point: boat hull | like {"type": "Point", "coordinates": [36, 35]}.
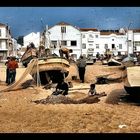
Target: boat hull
{"type": "Point", "coordinates": [132, 90]}
{"type": "Point", "coordinates": [113, 62]}
{"type": "Point", "coordinates": [51, 69]}
{"type": "Point", "coordinates": [132, 80]}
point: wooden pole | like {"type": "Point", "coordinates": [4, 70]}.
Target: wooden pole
{"type": "Point", "coordinates": [38, 76]}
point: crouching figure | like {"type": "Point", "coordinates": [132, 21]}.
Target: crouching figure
{"type": "Point", "coordinates": [92, 90]}
{"type": "Point", "coordinates": [61, 88]}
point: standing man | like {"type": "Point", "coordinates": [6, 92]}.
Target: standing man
{"type": "Point", "coordinates": [81, 64]}
{"type": "Point", "coordinates": [12, 65]}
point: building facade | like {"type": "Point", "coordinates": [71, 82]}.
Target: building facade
{"type": "Point", "coordinates": [87, 41]}
{"type": "Point", "coordinates": [65, 35]}
{"type": "Point", "coordinates": [5, 41]}
{"type": "Point", "coordinates": [32, 37]}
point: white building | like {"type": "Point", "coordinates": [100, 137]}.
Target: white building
{"type": "Point", "coordinates": [86, 41]}
{"type": "Point", "coordinates": [134, 40]}
{"type": "Point", "coordinates": [32, 37]}
{"type": "Point", "coordinates": [90, 41]}
{"type": "Point", "coordinates": [114, 41]}
{"type": "Point", "coordinates": [65, 35]}
{"type": "Point", "coordinates": [5, 41]}
{"type": "Point", "coordinates": [15, 48]}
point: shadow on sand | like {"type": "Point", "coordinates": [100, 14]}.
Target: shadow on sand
{"type": "Point", "coordinates": [121, 96]}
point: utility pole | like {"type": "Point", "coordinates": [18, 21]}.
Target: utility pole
{"type": "Point", "coordinates": [8, 35]}
{"type": "Point", "coordinates": [127, 39]}
{"type": "Point", "coordinates": [81, 42]}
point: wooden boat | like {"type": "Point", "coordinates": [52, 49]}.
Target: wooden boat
{"type": "Point", "coordinates": [28, 56]}
{"type": "Point", "coordinates": [118, 58]}
{"type": "Point", "coordinates": [51, 69]}
{"type": "Point", "coordinates": [128, 61]}
{"type": "Point", "coordinates": [104, 62]}
{"type": "Point", "coordinates": [132, 80]}
{"type": "Point", "coordinates": [113, 62]}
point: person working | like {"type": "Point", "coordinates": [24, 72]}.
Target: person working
{"type": "Point", "coordinates": [12, 65]}
{"type": "Point", "coordinates": [92, 90]}
{"type": "Point", "coordinates": [61, 88]}
{"type": "Point", "coordinates": [81, 64]}
{"type": "Point", "coordinates": [65, 51]}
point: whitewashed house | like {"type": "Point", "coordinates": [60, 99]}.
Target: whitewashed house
{"type": "Point", "coordinates": [86, 41]}
{"type": "Point", "coordinates": [32, 37]}
{"type": "Point", "coordinates": [90, 41]}
{"type": "Point", "coordinates": [65, 35]}
{"type": "Point", "coordinates": [95, 41]}
{"type": "Point", "coordinates": [134, 40]}
{"type": "Point", "coordinates": [5, 41]}
{"type": "Point", "coordinates": [114, 41]}
{"type": "Point", "coordinates": [15, 48]}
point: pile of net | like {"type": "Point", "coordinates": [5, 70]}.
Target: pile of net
{"type": "Point", "coordinates": [61, 99]}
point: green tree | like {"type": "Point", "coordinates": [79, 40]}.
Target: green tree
{"type": "Point", "coordinates": [20, 40]}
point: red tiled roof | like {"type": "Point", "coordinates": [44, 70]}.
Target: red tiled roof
{"type": "Point", "coordinates": [62, 23]}
{"type": "Point", "coordinates": [88, 29]}
{"type": "Point", "coordinates": [136, 30]}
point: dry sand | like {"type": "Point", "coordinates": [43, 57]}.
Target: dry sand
{"type": "Point", "coordinates": [18, 114]}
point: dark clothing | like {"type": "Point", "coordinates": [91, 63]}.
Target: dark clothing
{"type": "Point", "coordinates": [7, 75]}
{"type": "Point", "coordinates": [12, 75]}
{"type": "Point", "coordinates": [12, 65]}
{"type": "Point", "coordinates": [81, 73]}
{"type": "Point", "coordinates": [7, 71]}
{"type": "Point", "coordinates": [64, 51]}
{"type": "Point", "coordinates": [92, 90]}
{"type": "Point", "coordinates": [81, 64]}
{"type": "Point", "coordinates": [61, 88]}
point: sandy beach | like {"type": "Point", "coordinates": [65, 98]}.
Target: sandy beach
{"type": "Point", "coordinates": [19, 114]}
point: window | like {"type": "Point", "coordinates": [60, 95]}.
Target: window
{"type": "Point", "coordinates": [54, 42]}
{"type": "Point", "coordinates": [89, 55]}
{"type": "Point", "coordinates": [0, 32]}
{"type": "Point", "coordinates": [106, 46]}
{"type": "Point", "coordinates": [96, 36]}
{"type": "Point", "coordinates": [129, 43]}
{"type": "Point", "coordinates": [90, 36]}
{"type": "Point", "coordinates": [63, 29]}
{"type": "Point", "coordinates": [84, 36]}
{"type": "Point", "coordinates": [137, 43]}
{"type": "Point", "coordinates": [90, 49]}
{"type": "Point", "coordinates": [97, 46]}
{"type": "Point", "coordinates": [73, 43]}
{"type": "Point", "coordinates": [120, 46]}
{"type": "Point", "coordinates": [64, 43]}
{"type": "Point", "coordinates": [113, 46]}
{"type": "Point", "coordinates": [90, 44]}
{"type": "Point", "coordinates": [83, 46]}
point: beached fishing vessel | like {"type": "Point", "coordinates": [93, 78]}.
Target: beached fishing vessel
{"type": "Point", "coordinates": [51, 69]}
{"type": "Point", "coordinates": [128, 61]}
{"type": "Point", "coordinates": [132, 80]}
{"type": "Point", "coordinates": [46, 69]}
{"type": "Point", "coordinates": [113, 62]}
{"type": "Point", "coordinates": [28, 56]}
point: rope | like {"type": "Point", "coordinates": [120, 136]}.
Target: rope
{"type": "Point", "coordinates": [38, 76]}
